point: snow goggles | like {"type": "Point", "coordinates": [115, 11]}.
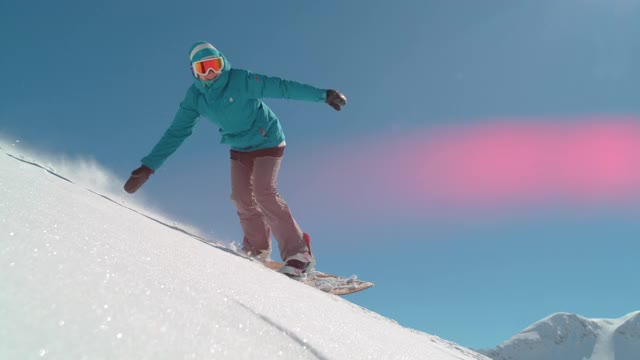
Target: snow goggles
{"type": "Point", "coordinates": [202, 67]}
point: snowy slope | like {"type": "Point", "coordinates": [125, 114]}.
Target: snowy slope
{"type": "Point", "coordinates": [85, 276]}
{"type": "Point", "coordinates": [566, 336]}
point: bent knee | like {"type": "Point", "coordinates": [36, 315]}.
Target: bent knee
{"type": "Point", "coordinates": [267, 196]}
{"type": "Point", "coordinates": [242, 201]}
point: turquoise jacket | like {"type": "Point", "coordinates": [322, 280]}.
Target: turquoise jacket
{"type": "Point", "coordinates": [232, 102]}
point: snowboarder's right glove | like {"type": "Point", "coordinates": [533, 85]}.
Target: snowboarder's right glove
{"type": "Point", "coordinates": [138, 177]}
{"type": "Point", "coordinates": [335, 99]}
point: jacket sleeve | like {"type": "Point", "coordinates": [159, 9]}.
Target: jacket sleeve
{"type": "Point", "coordinates": [262, 86]}
{"type": "Point", "coordinates": [181, 128]}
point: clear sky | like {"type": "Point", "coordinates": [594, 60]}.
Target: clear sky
{"type": "Point", "coordinates": [484, 173]}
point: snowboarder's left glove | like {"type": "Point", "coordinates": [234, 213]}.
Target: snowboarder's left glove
{"type": "Point", "coordinates": [138, 177]}
{"type": "Point", "coordinates": [335, 99]}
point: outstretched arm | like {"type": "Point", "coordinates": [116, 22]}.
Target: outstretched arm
{"type": "Point", "coordinates": [181, 127]}
{"type": "Point", "coordinates": [262, 86]}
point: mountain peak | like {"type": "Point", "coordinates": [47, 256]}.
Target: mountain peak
{"type": "Point", "coordinates": [562, 319]}
{"type": "Point", "coordinates": [630, 326]}
{"type": "Point", "coordinates": [558, 328]}
{"type": "Point", "coordinates": [633, 316]}
{"type": "Point", "coordinates": [569, 336]}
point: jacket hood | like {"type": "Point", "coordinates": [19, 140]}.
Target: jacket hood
{"type": "Point", "coordinates": [201, 50]}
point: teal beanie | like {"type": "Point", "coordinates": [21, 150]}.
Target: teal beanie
{"type": "Point", "coordinates": [202, 50]}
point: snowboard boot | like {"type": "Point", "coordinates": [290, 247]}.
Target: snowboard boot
{"type": "Point", "coordinates": [301, 263]}
{"type": "Point", "coordinates": [262, 256]}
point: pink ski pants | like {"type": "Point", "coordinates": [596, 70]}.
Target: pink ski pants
{"type": "Point", "coordinates": [260, 207]}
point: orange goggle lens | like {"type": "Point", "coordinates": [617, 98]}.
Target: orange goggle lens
{"type": "Point", "coordinates": [203, 67]}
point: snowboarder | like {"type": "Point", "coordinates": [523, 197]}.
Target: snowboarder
{"type": "Point", "coordinates": [230, 98]}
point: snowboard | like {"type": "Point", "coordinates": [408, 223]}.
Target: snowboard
{"type": "Point", "coordinates": [328, 283]}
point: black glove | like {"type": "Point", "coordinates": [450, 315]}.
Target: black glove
{"type": "Point", "coordinates": [335, 99]}
{"type": "Point", "coordinates": [138, 177]}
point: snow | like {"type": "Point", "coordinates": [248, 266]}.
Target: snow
{"type": "Point", "coordinates": [564, 336]}
{"type": "Point", "coordinates": [89, 275]}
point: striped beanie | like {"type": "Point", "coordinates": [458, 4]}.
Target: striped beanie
{"type": "Point", "coordinates": [202, 50]}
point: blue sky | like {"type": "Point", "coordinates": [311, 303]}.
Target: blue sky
{"type": "Point", "coordinates": [105, 79]}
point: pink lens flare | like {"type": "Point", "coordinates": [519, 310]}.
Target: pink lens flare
{"type": "Point", "coordinates": [497, 162]}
